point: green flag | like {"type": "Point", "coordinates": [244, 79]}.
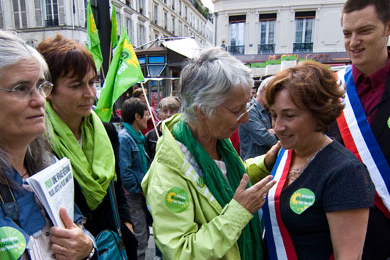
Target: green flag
{"type": "Point", "coordinates": [114, 28]}
{"type": "Point", "coordinates": [124, 72]}
{"type": "Point", "coordinates": [93, 42]}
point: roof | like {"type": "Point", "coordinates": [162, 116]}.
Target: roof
{"type": "Point", "coordinates": [187, 47]}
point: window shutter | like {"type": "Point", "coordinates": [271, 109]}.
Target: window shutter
{"type": "Point", "coordinates": [1, 15]}
{"type": "Point", "coordinates": [61, 13]}
{"type": "Point", "coordinates": [38, 13]}
{"type": "Point", "coordinates": [81, 14]}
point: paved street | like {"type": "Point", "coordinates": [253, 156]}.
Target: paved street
{"type": "Point", "coordinates": [150, 253]}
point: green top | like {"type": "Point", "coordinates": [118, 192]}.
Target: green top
{"type": "Point", "coordinates": [93, 163]}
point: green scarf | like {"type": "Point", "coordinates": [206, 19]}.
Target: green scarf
{"type": "Point", "coordinates": [249, 242]}
{"type": "Point", "coordinates": [139, 138]}
{"type": "Point", "coordinates": [93, 167]}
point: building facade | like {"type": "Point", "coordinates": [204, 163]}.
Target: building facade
{"type": "Point", "coordinates": [257, 31]}
{"type": "Point", "coordinates": [144, 20]}
{"type": "Point", "coordinates": [37, 20]}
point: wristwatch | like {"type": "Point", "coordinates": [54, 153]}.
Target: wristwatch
{"type": "Point", "coordinates": [91, 254]}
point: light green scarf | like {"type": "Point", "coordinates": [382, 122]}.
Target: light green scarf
{"type": "Point", "coordinates": [249, 242]}
{"type": "Point", "coordinates": [93, 166]}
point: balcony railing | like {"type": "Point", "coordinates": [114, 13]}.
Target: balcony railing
{"type": "Point", "coordinates": [303, 47]}
{"type": "Point", "coordinates": [51, 22]}
{"type": "Point", "coordinates": [266, 49]}
{"type": "Point", "coordinates": [236, 49]}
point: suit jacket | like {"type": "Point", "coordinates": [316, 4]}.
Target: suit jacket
{"type": "Point", "coordinates": [378, 232]}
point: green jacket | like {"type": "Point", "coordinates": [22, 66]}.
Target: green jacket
{"type": "Point", "coordinates": [188, 222]}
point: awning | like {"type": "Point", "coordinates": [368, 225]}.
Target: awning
{"type": "Point", "coordinates": [187, 47]}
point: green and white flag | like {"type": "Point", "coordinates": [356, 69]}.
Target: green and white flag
{"type": "Point", "coordinates": [93, 41]}
{"type": "Point", "coordinates": [123, 73]}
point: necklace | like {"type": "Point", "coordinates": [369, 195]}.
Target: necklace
{"type": "Point", "coordinates": [294, 173]}
{"type": "Point", "coordinates": [24, 174]}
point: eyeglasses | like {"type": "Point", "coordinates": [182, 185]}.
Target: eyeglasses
{"type": "Point", "coordinates": [24, 91]}
{"type": "Point", "coordinates": [238, 115]}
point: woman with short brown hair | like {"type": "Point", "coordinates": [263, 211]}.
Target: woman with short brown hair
{"type": "Point", "coordinates": [319, 208]}
{"type": "Point", "coordinates": [77, 133]}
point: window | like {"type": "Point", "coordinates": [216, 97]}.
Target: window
{"type": "Point", "coordinates": [185, 31]}
{"type": "Point", "coordinates": [155, 13]}
{"type": "Point", "coordinates": [20, 14]}
{"type": "Point", "coordinates": [51, 13]}
{"type": "Point", "coordinates": [267, 34]}
{"type": "Point", "coordinates": [237, 34]}
{"type": "Point", "coordinates": [141, 34]}
{"type": "Point", "coordinates": [130, 29]}
{"type": "Point", "coordinates": [185, 13]}
{"type": "Point", "coordinates": [304, 23]}
{"type": "Point", "coordinates": [118, 21]}
{"type": "Point", "coordinates": [173, 25]}
{"type": "Point", "coordinates": [180, 7]}
{"type": "Point", "coordinates": [165, 20]}
{"type": "Point", "coordinates": [180, 29]}
{"type": "Point", "coordinates": [141, 6]}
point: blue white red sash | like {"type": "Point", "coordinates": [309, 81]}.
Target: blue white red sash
{"type": "Point", "coordinates": [279, 242]}
{"type": "Point", "coordinates": [360, 140]}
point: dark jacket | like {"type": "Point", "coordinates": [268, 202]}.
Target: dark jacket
{"type": "Point", "coordinates": [378, 232]}
{"type": "Point", "coordinates": [102, 217]}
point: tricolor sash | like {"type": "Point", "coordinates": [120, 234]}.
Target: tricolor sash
{"type": "Point", "coordinates": [279, 242]}
{"type": "Point", "coordinates": [360, 140]}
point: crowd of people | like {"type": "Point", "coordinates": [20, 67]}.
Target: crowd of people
{"type": "Point", "coordinates": [309, 181]}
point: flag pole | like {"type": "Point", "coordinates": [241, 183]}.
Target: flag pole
{"type": "Point", "coordinates": [150, 110]}
{"type": "Point", "coordinates": [109, 59]}
{"type": "Point", "coordinates": [104, 77]}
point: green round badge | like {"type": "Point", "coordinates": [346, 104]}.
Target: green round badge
{"type": "Point", "coordinates": [177, 199]}
{"type": "Point", "coordinates": [12, 243]}
{"type": "Point", "coordinates": [388, 122]}
{"type": "Point", "coordinates": [301, 200]}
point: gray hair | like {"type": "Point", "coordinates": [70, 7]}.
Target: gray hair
{"type": "Point", "coordinates": [263, 84]}
{"type": "Point", "coordinates": [13, 49]}
{"type": "Point", "coordinates": [206, 81]}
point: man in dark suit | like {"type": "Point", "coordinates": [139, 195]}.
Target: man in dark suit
{"type": "Point", "coordinates": [364, 127]}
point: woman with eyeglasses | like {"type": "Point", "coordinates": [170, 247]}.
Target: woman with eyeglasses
{"type": "Point", "coordinates": [77, 133]}
{"type": "Point", "coordinates": [202, 203]}
{"type": "Point", "coordinates": [25, 229]}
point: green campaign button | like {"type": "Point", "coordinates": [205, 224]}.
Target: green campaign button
{"type": "Point", "coordinates": [177, 199]}
{"type": "Point", "coordinates": [200, 182]}
{"type": "Point", "coordinates": [301, 200]}
{"type": "Point", "coordinates": [12, 243]}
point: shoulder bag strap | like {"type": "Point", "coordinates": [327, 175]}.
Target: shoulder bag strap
{"type": "Point", "coordinates": [111, 191]}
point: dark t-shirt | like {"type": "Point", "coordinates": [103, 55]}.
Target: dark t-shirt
{"type": "Point", "coordinates": [339, 182]}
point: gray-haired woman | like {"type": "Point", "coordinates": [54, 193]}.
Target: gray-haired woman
{"type": "Point", "coordinates": [202, 203]}
{"type": "Point", "coordinates": [25, 230]}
